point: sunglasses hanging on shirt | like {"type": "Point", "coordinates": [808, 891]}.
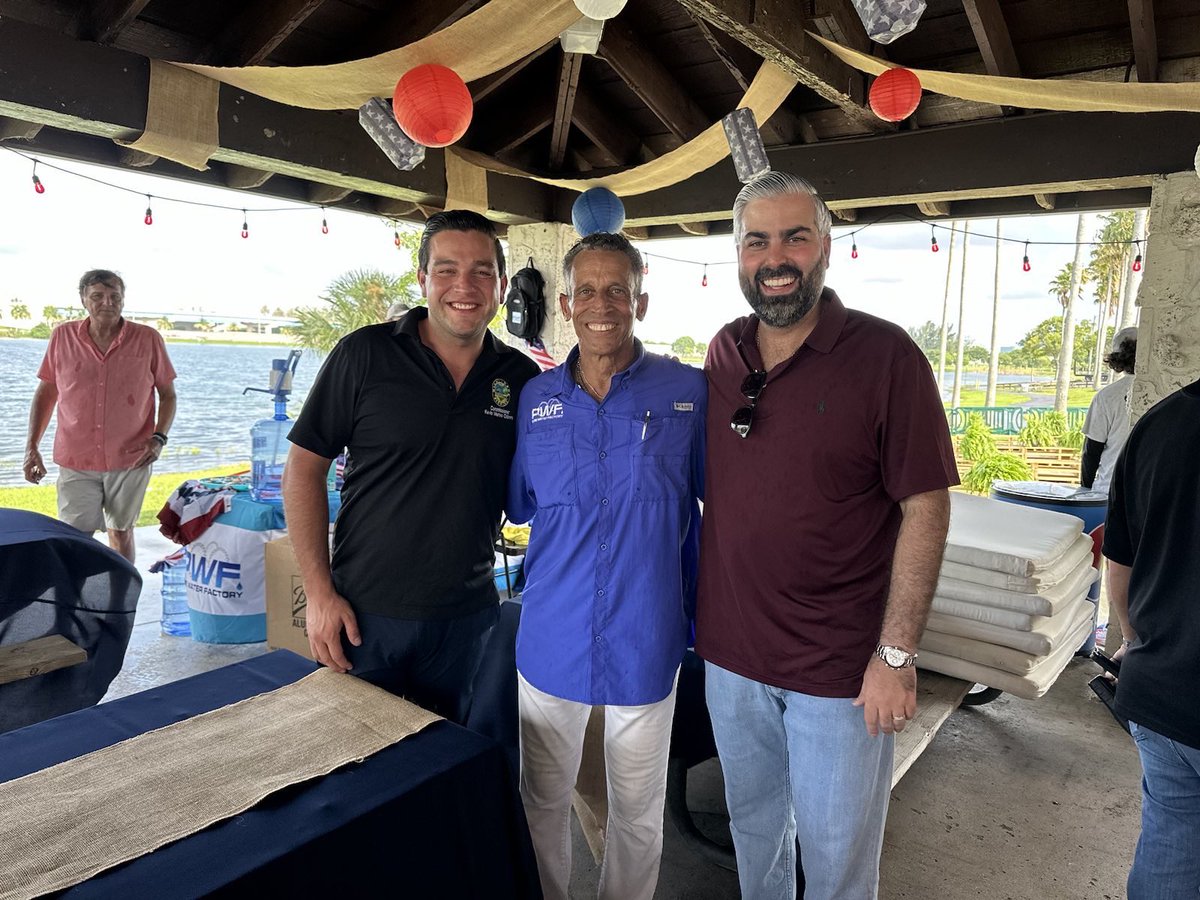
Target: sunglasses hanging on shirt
{"type": "Point", "coordinates": [752, 388]}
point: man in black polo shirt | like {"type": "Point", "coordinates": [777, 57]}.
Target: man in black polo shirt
{"type": "Point", "coordinates": [425, 406]}
{"type": "Point", "coordinates": [1152, 539]}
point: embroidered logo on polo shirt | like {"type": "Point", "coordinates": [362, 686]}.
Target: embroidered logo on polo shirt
{"type": "Point", "coordinates": [547, 409]}
{"type": "Point", "coordinates": [683, 407]}
{"type": "Point", "coordinates": [501, 392]}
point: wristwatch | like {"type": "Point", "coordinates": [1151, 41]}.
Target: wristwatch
{"type": "Point", "coordinates": [895, 657]}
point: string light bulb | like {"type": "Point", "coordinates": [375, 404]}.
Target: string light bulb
{"type": "Point", "coordinates": [704, 279]}
{"type": "Point", "coordinates": [324, 224]}
{"type": "Point", "coordinates": [396, 237]}
{"type": "Point", "coordinates": [853, 249]}
{"type": "Point", "coordinates": [245, 225]}
{"type": "Point", "coordinates": [1137, 260]}
{"type": "Point", "coordinates": [646, 266]}
{"type": "Point", "coordinates": [1025, 266]}
{"type": "Point", "coordinates": [37, 182]}
{"type": "Point", "coordinates": [933, 247]}
{"type": "Point", "coordinates": [149, 219]}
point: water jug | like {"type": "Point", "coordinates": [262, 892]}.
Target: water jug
{"type": "Point", "coordinates": [175, 619]}
{"type": "Point", "coordinates": [268, 452]}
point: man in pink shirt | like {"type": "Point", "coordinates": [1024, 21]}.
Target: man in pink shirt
{"type": "Point", "coordinates": [102, 373]}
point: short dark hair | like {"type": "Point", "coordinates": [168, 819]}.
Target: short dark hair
{"type": "Point", "coordinates": [602, 240]}
{"type": "Point", "coordinates": [1122, 358]}
{"type": "Point", "coordinates": [105, 277]}
{"type": "Point", "coordinates": [457, 220]}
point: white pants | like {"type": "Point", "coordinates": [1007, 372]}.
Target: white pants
{"type": "Point", "coordinates": [636, 743]}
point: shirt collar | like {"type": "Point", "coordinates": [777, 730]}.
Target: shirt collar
{"type": "Point", "coordinates": [566, 379]}
{"type": "Point", "coordinates": [823, 337]}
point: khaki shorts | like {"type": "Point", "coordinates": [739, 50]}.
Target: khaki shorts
{"type": "Point", "coordinates": [92, 501]}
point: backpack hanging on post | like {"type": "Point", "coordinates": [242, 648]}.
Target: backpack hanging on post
{"type": "Point", "coordinates": [525, 305]}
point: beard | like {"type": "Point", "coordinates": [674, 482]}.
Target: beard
{"type": "Point", "coordinates": [784, 310]}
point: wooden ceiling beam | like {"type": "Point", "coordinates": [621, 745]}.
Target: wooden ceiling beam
{"type": "Point", "coordinates": [327, 194]}
{"type": "Point", "coordinates": [393, 209]}
{"type": "Point", "coordinates": [774, 30]}
{"type": "Point", "coordinates": [611, 137]}
{"type": "Point", "coordinates": [512, 129]}
{"type": "Point", "coordinates": [409, 22]}
{"type": "Point", "coordinates": [244, 178]}
{"type": "Point", "coordinates": [837, 21]}
{"type": "Point", "coordinates": [698, 229]}
{"type": "Point", "coordinates": [639, 66]}
{"type": "Point", "coordinates": [933, 208]}
{"type": "Point", "coordinates": [564, 106]}
{"type": "Point", "coordinates": [135, 159]}
{"type": "Point", "coordinates": [254, 33]}
{"type": "Point", "coordinates": [484, 86]}
{"type": "Point", "coordinates": [1145, 39]}
{"type": "Point", "coordinates": [741, 63]}
{"type": "Point", "coordinates": [16, 129]}
{"type": "Point", "coordinates": [104, 20]}
{"type": "Point", "coordinates": [1045, 201]}
{"type": "Point", "coordinates": [991, 34]}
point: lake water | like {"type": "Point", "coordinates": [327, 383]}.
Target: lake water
{"type": "Point", "coordinates": [212, 424]}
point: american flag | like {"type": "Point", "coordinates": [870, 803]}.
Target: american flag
{"type": "Point", "coordinates": [540, 355]}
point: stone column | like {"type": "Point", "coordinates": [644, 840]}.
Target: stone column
{"type": "Point", "coordinates": [1168, 353]}
{"type": "Point", "coordinates": [547, 243]}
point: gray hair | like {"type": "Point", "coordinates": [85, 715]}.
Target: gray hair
{"type": "Point", "coordinates": [106, 277]}
{"type": "Point", "coordinates": [602, 240]}
{"type": "Point", "coordinates": [779, 184]}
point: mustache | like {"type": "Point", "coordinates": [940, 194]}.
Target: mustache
{"type": "Point", "coordinates": [784, 271]}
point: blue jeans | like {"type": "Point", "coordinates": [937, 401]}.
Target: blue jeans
{"type": "Point", "coordinates": [1166, 865]}
{"type": "Point", "coordinates": [800, 766]}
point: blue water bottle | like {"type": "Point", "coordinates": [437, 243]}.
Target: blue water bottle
{"type": "Point", "coordinates": [268, 437]}
{"type": "Point", "coordinates": [175, 619]}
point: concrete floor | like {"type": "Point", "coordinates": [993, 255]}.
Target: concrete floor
{"type": "Point", "coordinates": [1015, 800]}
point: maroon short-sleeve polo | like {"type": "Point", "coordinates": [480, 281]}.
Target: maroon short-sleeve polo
{"type": "Point", "coordinates": [801, 516]}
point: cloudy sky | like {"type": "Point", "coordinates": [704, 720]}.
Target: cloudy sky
{"type": "Point", "coordinates": [193, 259]}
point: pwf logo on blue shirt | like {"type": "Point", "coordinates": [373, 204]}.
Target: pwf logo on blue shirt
{"type": "Point", "coordinates": [547, 409]}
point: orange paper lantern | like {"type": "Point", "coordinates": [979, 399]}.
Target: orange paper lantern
{"type": "Point", "coordinates": [432, 105]}
{"type": "Point", "coordinates": [895, 94]}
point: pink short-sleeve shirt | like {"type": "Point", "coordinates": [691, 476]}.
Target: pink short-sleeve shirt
{"type": "Point", "coordinates": [105, 400]}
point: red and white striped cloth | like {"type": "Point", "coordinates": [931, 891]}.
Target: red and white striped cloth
{"type": "Point", "coordinates": [540, 355]}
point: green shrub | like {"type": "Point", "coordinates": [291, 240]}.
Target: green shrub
{"type": "Point", "coordinates": [976, 441]}
{"type": "Point", "coordinates": [1000, 466]}
{"type": "Point", "coordinates": [1043, 430]}
{"type": "Point", "coordinates": [1073, 439]}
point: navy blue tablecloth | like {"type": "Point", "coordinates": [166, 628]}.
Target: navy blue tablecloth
{"type": "Point", "coordinates": [434, 815]}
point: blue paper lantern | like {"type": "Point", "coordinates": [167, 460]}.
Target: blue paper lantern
{"type": "Point", "coordinates": [598, 209]}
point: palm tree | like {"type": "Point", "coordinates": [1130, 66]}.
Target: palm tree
{"type": "Point", "coordinates": [956, 394]}
{"type": "Point", "coordinates": [355, 299]}
{"type": "Point", "coordinates": [1107, 269]}
{"type": "Point", "coordinates": [20, 311]}
{"type": "Point", "coordinates": [941, 368]}
{"type": "Point", "coordinates": [994, 355]}
{"type": "Point", "coordinates": [1074, 277]}
{"type": "Point", "coordinates": [163, 324]}
{"type": "Point", "coordinates": [1128, 312]}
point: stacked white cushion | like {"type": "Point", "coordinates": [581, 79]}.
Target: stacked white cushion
{"type": "Point", "coordinates": [1011, 604]}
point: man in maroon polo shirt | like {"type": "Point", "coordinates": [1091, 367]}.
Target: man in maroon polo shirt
{"type": "Point", "coordinates": [829, 459]}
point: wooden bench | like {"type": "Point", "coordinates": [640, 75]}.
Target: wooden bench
{"type": "Point", "coordinates": [36, 657]}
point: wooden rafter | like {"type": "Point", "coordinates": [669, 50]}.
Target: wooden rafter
{"type": "Point", "coordinates": [484, 86]}
{"type": "Point", "coordinates": [640, 68]}
{"type": "Point", "coordinates": [991, 34]}
{"type": "Point", "coordinates": [16, 129]}
{"type": "Point", "coordinates": [741, 63]}
{"type": "Point", "coordinates": [135, 159]}
{"type": "Point", "coordinates": [933, 207]}
{"type": "Point", "coordinates": [511, 128]}
{"type": "Point", "coordinates": [564, 106]}
{"type": "Point", "coordinates": [104, 20]}
{"type": "Point", "coordinates": [1145, 39]}
{"type": "Point", "coordinates": [411, 21]}
{"type": "Point", "coordinates": [393, 209]}
{"type": "Point", "coordinates": [774, 30]}
{"type": "Point", "coordinates": [243, 177]}
{"type": "Point", "coordinates": [616, 142]}
{"type": "Point", "coordinates": [1045, 201]}
{"type": "Point", "coordinates": [837, 21]}
{"type": "Point", "coordinates": [326, 194]}
{"type": "Point", "coordinates": [254, 33]}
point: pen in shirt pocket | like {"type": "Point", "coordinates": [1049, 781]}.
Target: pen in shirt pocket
{"type": "Point", "coordinates": [645, 424]}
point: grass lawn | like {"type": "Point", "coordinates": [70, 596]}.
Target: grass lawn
{"type": "Point", "coordinates": [40, 498]}
{"type": "Point", "coordinates": [1003, 398]}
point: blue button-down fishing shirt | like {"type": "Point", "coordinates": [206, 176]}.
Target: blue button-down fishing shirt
{"type": "Point", "coordinates": [612, 491]}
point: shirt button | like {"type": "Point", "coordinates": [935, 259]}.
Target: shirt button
{"type": "Point", "coordinates": [604, 502]}
{"type": "Point", "coordinates": [600, 593]}
{"type": "Point", "coordinates": [603, 455]}
{"type": "Point", "coordinates": [599, 412]}
{"type": "Point", "coordinates": [604, 546]}
{"type": "Point", "coordinates": [597, 639]}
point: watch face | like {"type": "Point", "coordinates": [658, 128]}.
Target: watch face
{"type": "Point", "coordinates": [894, 657]}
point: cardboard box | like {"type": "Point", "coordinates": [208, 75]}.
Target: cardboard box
{"type": "Point", "coordinates": [286, 603]}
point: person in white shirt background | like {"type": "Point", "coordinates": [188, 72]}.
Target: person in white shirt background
{"type": "Point", "coordinates": [1107, 423]}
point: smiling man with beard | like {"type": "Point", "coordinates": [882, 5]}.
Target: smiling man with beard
{"type": "Point", "coordinates": [829, 459]}
{"type": "Point", "coordinates": [610, 459]}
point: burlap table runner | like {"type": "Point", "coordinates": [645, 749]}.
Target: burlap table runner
{"type": "Point", "coordinates": [64, 824]}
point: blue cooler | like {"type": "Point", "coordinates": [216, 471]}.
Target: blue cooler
{"type": "Point", "coordinates": [1089, 505]}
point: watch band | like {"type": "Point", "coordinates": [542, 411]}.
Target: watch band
{"type": "Point", "coordinates": [887, 652]}
{"type": "Point", "coordinates": [160, 437]}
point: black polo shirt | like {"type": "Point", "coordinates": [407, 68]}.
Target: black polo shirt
{"type": "Point", "coordinates": [427, 470]}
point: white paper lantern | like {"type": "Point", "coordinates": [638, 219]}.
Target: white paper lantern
{"type": "Point", "coordinates": [1197, 161]}
{"type": "Point", "coordinates": [582, 37]}
{"type": "Point", "coordinates": [600, 9]}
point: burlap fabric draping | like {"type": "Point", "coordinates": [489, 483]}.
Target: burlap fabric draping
{"type": "Point", "coordinates": [181, 116]}
{"type": "Point", "coordinates": [768, 90]}
{"type": "Point", "coordinates": [1034, 93]}
{"type": "Point", "coordinates": [66, 823]}
{"type": "Point", "coordinates": [466, 185]}
{"type": "Point", "coordinates": [495, 35]}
